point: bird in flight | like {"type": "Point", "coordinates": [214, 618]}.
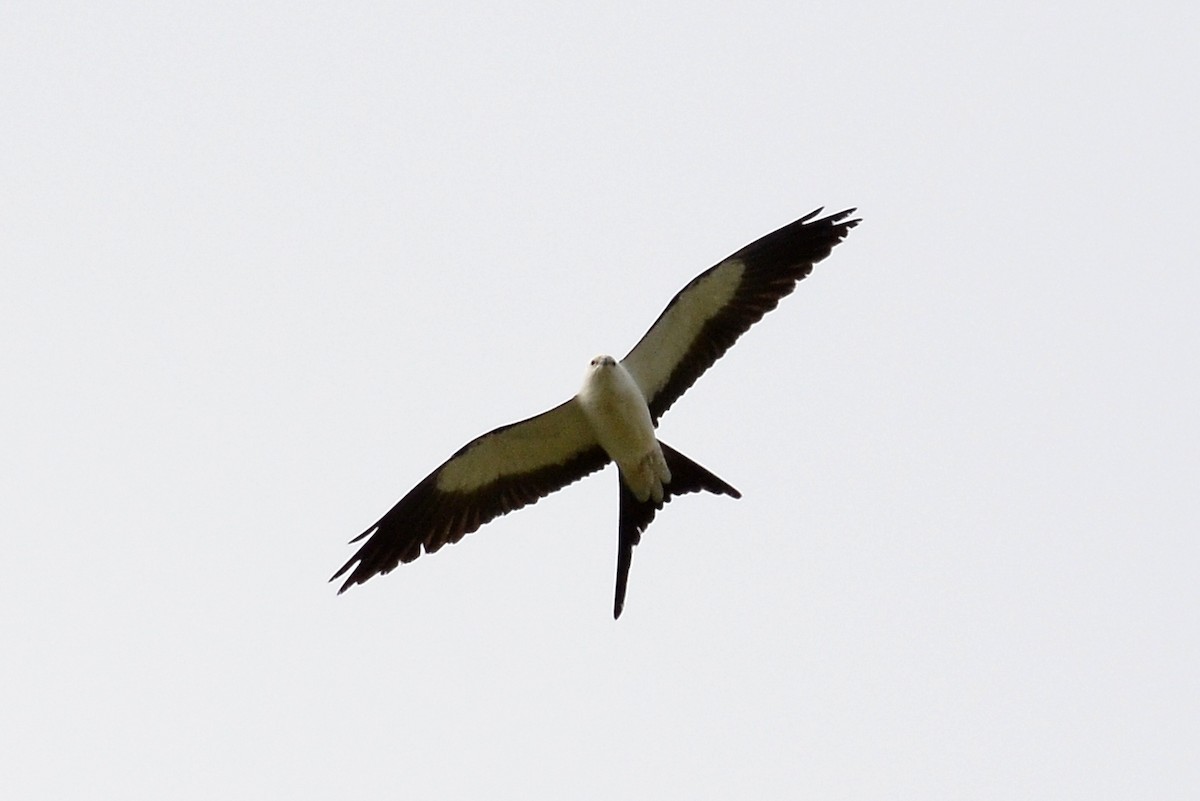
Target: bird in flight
{"type": "Point", "coordinates": [612, 418]}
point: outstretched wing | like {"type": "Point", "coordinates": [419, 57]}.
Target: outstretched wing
{"type": "Point", "coordinates": [719, 305]}
{"type": "Point", "coordinates": [492, 475]}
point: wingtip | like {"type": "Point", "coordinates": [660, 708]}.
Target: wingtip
{"type": "Point", "coordinates": [371, 530]}
{"type": "Point", "coordinates": [349, 582]}
{"type": "Point", "coordinates": [841, 216]}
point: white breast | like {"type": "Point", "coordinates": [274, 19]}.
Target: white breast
{"type": "Point", "coordinates": [620, 419]}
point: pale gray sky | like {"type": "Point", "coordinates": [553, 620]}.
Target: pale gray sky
{"type": "Point", "coordinates": [263, 266]}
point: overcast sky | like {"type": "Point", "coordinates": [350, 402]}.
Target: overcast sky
{"type": "Point", "coordinates": [264, 266]}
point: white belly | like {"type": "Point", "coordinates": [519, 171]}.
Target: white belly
{"type": "Point", "coordinates": [620, 419]}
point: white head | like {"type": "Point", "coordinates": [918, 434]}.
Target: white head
{"type": "Point", "coordinates": [603, 360]}
{"type": "Point", "coordinates": [601, 372]}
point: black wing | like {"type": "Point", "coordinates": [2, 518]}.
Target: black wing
{"type": "Point", "coordinates": [719, 305]}
{"type": "Point", "coordinates": [492, 475]}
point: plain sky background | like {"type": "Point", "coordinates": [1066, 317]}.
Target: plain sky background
{"type": "Point", "coordinates": [263, 266]}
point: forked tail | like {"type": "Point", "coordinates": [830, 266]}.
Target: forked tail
{"type": "Point", "coordinates": [635, 515]}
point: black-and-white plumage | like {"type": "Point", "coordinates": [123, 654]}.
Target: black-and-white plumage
{"type": "Point", "coordinates": [612, 418]}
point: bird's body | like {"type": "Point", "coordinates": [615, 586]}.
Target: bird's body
{"type": "Point", "coordinates": [612, 418]}
{"type": "Point", "coordinates": [616, 409]}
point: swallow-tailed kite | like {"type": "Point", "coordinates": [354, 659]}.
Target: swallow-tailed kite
{"type": "Point", "coordinates": [612, 419]}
